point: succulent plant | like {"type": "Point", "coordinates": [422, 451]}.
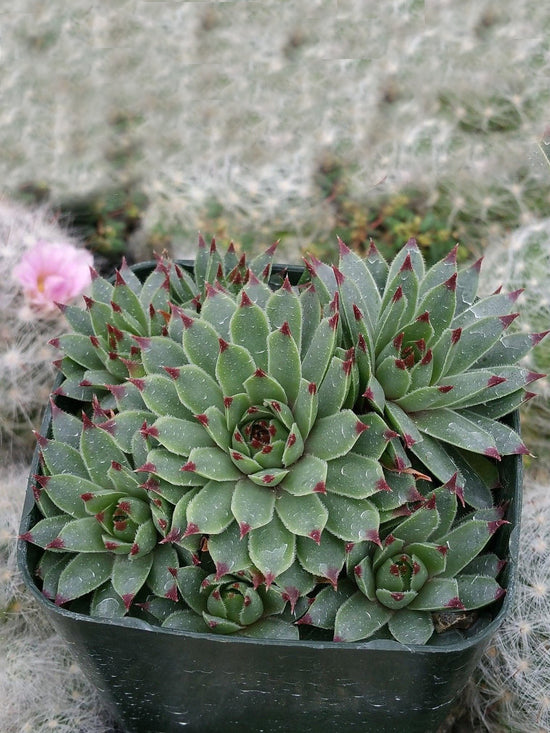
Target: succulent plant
{"type": "Point", "coordinates": [256, 457]}
{"type": "Point", "coordinates": [429, 562]}
{"type": "Point", "coordinates": [104, 348]}
{"type": "Point", "coordinates": [434, 360]}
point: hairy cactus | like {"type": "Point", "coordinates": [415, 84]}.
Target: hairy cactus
{"type": "Point", "coordinates": [246, 460]}
{"type": "Point", "coordinates": [434, 360]}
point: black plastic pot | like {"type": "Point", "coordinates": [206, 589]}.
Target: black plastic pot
{"type": "Point", "coordinates": [161, 681]}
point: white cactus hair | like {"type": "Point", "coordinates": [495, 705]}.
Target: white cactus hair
{"type": "Point", "coordinates": [25, 357]}
{"type": "Point", "coordinates": [522, 260]}
{"type": "Point", "coordinates": [43, 689]}
{"type": "Point", "coordinates": [237, 102]}
{"type": "Point", "coordinates": [511, 689]}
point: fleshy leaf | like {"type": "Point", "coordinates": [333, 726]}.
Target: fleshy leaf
{"type": "Point", "coordinates": [308, 475]}
{"type": "Point", "coordinates": [354, 475]}
{"type": "Point", "coordinates": [180, 436]}
{"type": "Point", "coordinates": [271, 549]}
{"type": "Point", "coordinates": [252, 505]}
{"type": "Point", "coordinates": [302, 515]}
{"type": "Point", "coordinates": [83, 574]}
{"type": "Point", "coordinates": [130, 574]}
{"type": "Point", "coordinates": [358, 618]}
{"type": "Point", "coordinates": [335, 435]}
{"type": "Point", "coordinates": [352, 520]}
{"type": "Point", "coordinates": [213, 463]}
{"type": "Point", "coordinates": [411, 627]}
{"type": "Point", "coordinates": [210, 509]}
{"type": "Point", "coordinates": [283, 361]}
{"type": "Point", "coordinates": [197, 389]}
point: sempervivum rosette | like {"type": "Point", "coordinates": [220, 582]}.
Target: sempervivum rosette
{"type": "Point", "coordinates": [104, 349]}
{"type": "Point", "coordinates": [230, 604]}
{"type": "Point", "coordinates": [252, 424]}
{"type": "Point", "coordinates": [429, 562]}
{"type": "Point", "coordinates": [102, 529]}
{"type": "Point", "coordinates": [434, 360]}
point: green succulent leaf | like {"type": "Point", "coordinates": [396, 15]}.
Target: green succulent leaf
{"type": "Point", "coordinates": [181, 436]}
{"type": "Point", "coordinates": [229, 551]}
{"type": "Point", "coordinates": [271, 628]}
{"type": "Point", "coordinates": [308, 475]}
{"type": "Point", "coordinates": [201, 344]}
{"type": "Point", "coordinates": [464, 543]}
{"type": "Point", "coordinates": [210, 509]}
{"type": "Point", "coordinates": [218, 309]}
{"type": "Point", "coordinates": [476, 591]}
{"type": "Point", "coordinates": [233, 368]}
{"type": "Point", "coordinates": [197, 390]}
{"type": "Point", "coordinates": [453, 427]}
{"type": "Point", "coordinates": [83, 574]}
{"type": "Point", "coordinates": [66, 491]}
{"type": "Point", "coordinates": [160, 395]}
{"type": "Point", "coordinates": [436, 595]}
{"type": "Point", "coordinates": [355, 476]}
{"type": "Point", "coordinates": [411, 627]}
{"type": "Point", "coordinates": [283, 362]}
{"type": "Point", "coordinates": [129, 575]}
{"type": "Point", "coordinates": [252, 505]}
{"type": "Point", "coordinates": [352, 520]}
{"type": "Point", "coordinates": [213, 464]}
{"type": "Point", "coordinates": [82, 535]}
{"type": "Point", "coordinates": [62, 458]}
{"type": "Point", "coordinates": [271, 548]}
{"type": "Point", "coordinates": [320, 351]}
{"type": "Point", "coordinates": [324, 559]}
{"type": "Point", "coordinates": [302, 515]}
{"type": "Point", "coordinates": [323, 610]}
{"type": "Point", "coordinates": [159, 352]}
{"type": "Point", "coordinates": [249, 328]}
{"type": "Point", "coordinates": [334, 436]}
{"type": "Point", "coordinates": [358, 618]}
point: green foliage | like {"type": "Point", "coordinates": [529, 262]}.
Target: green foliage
{"type": "Point", "coordinates": [245, 441]}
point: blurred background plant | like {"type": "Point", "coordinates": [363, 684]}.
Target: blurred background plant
{"type": "Point", "coordinates": [522, 260]}
{"type": "Point", "coordinates": [41, 264]}
{"type": "Point", "coordinates": [511, 689]}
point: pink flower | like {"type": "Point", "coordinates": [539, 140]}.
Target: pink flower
{"type": "Point", "coordinates": [53, 272]}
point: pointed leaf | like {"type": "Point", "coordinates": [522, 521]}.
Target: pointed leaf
{"type": "Point", "coordinates": [334, 436]}
{"type": "Point", "coordinates": [249, 328]}
{"type": "Point", "coordinates": [352, 520]}
{"type": "Point", "coordinates": [197, 389]}
{"type": "Point", "coordinates": [83, 574]}
{"type": "Point", "coordinates": [130, 574]}
{"type": "Point", "coordinates": [252, 505]}
{"type": "Point", "coordinates": [302, 515]}
{"type": "Point", "coordinates": [355, 476]}
{"type": "Point", "coordinates": [283, 361]}
{"type": "Point", "coordinates": [271, 548]}
{"type": "Point", "coordinates": [210, 509]}
{"type": "Point", "coordinates": [324, 559]}
{"type": "Point", "coordinates": [213, 463]}
{"type": "Point", "coordinates": [411, 627]}
{"type": "Point", "coordinates": [454, 428]}
{"type": "Point", "coordinates": [180, 436]}
{"type": "Point", "coordinates": [358, 618]}
{"type": "Point", "coordinates": [234, 366]}
{"type": "Point", "coordinates": [308, 475]}
{"type": "Point", "coordinates": [320, 351]}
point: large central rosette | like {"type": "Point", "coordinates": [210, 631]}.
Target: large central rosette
{"type": "Point", "coordinates": [275, 468]}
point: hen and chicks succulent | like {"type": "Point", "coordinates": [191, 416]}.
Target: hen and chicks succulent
{"type": "Point", "coordinates": [276, 455]}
